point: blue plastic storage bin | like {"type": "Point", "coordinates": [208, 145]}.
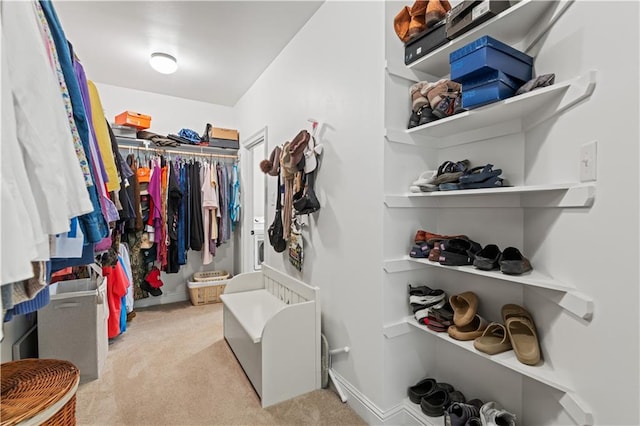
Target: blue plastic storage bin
{"type": "Point", "coordinates": [491, 87]}
{"type": "Point", "coordinates": [488, 54]}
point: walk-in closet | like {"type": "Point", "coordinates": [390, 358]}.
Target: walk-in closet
{"type": "Point", "coordinates": [394, 212]}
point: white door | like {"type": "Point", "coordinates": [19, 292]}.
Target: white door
{"type": "Point", "coordinates": [254, 202]}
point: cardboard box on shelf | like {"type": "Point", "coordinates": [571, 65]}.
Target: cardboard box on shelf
{"type": "Point", "coordinates": [134, 119]}
{"type": "Point", "coordinates": [471, 13]}
{"type": "Point", "coordinates": [220, 133]}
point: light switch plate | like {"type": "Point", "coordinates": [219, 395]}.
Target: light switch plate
{"type": "Point", "coordinates": [588, 161]}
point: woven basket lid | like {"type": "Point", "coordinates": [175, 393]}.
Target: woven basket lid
{"type": "Point", "coordinates": [29, 386]}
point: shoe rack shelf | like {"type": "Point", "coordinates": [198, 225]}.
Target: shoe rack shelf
{"type": "Point", "coordinates": [543, 372]}
{"type": "Point", "coordinates": [565, 195]}
{"type": "Point", "coordinates": [513, 115]}
{"type": "Point", "coordinates": [510, 27]}
{"type": "Point", "coordinates": [570, 299]}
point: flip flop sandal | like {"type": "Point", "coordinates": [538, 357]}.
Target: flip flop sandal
{"type": "Point", "coordinates": [465, 307]}
{"type": "Point", "coordinates": [480, 174]}
{"type": "Point", "coordinates": [425, 178]}
{"type": "Point", "coordinates": [494, 182]}
{"type": "Point", "coordinates": [494, 340]}
{"type": "Point", "coordinates": [522, 333]}
{"type": "Point", "coordinates": [448, 187]}
{"type": "Point", "coordinates": [470, 331]}
{"type": "Point", "coordinates": [448, 178]}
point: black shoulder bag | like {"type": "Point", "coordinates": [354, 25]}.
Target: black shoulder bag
{"type": "Point", "coordinates": [276, 230]}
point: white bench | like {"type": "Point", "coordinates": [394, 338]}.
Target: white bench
{"type": "Point", "coordinates": [272, 324]}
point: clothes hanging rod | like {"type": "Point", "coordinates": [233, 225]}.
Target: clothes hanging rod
{"type": "Point", "coordinates": [143, 145]}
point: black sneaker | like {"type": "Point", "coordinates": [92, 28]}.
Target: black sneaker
{"type": "Point", "coordinates": [414, 120]}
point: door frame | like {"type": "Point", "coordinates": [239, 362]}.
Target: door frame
{"type": "Point", "coordinates": [247, 170]}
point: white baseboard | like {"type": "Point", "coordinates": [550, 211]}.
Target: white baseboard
{"type": "Point", "coordinates": [161, 300]}
{"type": "Point", "coordinates": [374, 415]}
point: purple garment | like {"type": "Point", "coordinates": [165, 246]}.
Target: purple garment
{"type": "Point", "coordinates": [109, 210]}
{"type": "Point", "coordinates": [224, 207]}
{"type": "Point", "coordinates": [155, 191]}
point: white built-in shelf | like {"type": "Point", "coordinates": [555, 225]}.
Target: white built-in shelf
{"type": "Point", "coordinates": [543, 372]}
{"type": "Point", "coordinates": [552, 195]}
{"type": "Point", "coordinates": [510, 27]}
{"type": "Point", "coordinates": [572, 300]}
{"type": "Point", "coordinates": [183, 148]}
{"type": "Point", "coordinates": [513, 115]}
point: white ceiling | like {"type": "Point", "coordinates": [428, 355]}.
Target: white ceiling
{"type": "Point", "coordinates": [222, 47]}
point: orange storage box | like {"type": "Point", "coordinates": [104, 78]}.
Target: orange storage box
{"type": "Point", "coordinates": [134, 119]}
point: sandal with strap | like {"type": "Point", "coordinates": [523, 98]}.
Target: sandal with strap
{"type": "Point", "coordinates": [494, 340]}
{"type": "Point", "coordinates": [480, 174]}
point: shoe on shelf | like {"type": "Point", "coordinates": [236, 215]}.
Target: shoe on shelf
{"type": "Point", "coordinates": [513, 262]}
{"type": "Point", "coordinates": [434, 403]}
{"type": "Point", "coordinates": [492, 414]}
{"type": "Point", "coordinates": [459, 413]}
{"type": "Point", "coordinates": [487, 258]}
{"type": "Point", "coordinates": [494, 340]}
{"type": "Point", "coordinates": [426, 115]}
{"type": "Point", "coordinates": [436, 12]}
{"type": "Point", "coordinates": [522, 333]}
{"type": "Point", "coordinates": [417, 99]}
{"type": "Point", "coordinates": [465, 307]}
{"type": "Point", "coordinates": [471, 331]}
{"type": "Point", "coordinates": [421, 389]}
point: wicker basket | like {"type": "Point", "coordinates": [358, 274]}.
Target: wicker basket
{"type": "Point", "coordinates": [210, 276]}
{"type": "Point", "coordinates": [42, 391]}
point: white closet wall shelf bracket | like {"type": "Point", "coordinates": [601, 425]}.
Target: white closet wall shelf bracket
{"type": "Point", "coordinates": [549, 23]}
{"type": "Point", "coordinates": [564, 295]}
{"type": "Point", "coordinates": [396, 70]}
{"type": "Point", "coordinates": [510, 27]}
{"type": "Point", "coordinates": [580, 89]}
{"type": "Point", "coordinates": [563, 195]}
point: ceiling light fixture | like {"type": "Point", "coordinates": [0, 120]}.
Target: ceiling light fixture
{"type": "Point", "coordinates": [163, 63]}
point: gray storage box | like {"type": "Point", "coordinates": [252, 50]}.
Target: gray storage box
{"type": "Point", "coordinates": [73, 326]}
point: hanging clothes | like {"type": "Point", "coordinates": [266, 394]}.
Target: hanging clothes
{"type": "Point", "coordinates": [209, 208]}
{"type": "Point", "coordinates": [94, 225]}
{"type": "Point", "coordinates": [182, 215]}
{"type": "Point", "coordinates": [234, 205]}
{"type": "Point", "coordinates": [109, 210]}
{"type": "Point", "coordinates": [196, 233]}
{"type": "Point", "coordinates": [173, 207]}
{"type": "Point", "coordinates": [102, 134]}
{"type": "Point", "coordinates": [116, 288]}
{"type": "Point", "coordinates": [53, 57]}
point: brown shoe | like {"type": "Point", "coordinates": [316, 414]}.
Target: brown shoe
{"type": "Point", "coordinates": [465, 307]}
{"type": "Point", "coordinates": [442, 89]}
{"type": "Point", "coordinates": [436, 11]}
{"type": "Point", "coordinates": [401, 24]}
{"type": "Point", "coordinates": [418, 12]}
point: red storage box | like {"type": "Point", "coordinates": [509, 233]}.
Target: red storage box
{"type": "Point", "coordinates": [134, 119]}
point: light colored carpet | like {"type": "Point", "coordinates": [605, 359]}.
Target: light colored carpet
{"type": "Point", "coordinates": [173, 367]}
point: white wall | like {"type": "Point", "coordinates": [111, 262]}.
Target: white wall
{"type": "Point", "coordinates": [597, 249]}
{"type": "Point", "coordinates": [332, 71]}
{"type": "Point", "coordinates": [169, 115]}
